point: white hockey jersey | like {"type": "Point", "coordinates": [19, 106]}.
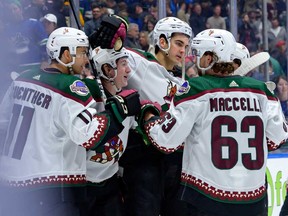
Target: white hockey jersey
{"type": "Point", "coordinates": [224, 123]}
{"type": "Point", "coordinates": [151, 79]}
{"type": "Point", "coordinates": [49, 119]}
{"type": "Point", "coordinates": [102, 163]}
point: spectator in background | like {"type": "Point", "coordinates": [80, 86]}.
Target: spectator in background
{"type": "Point", "coordinates": [150, 23]}
{"type": "Point", "coordinates": [275, 34]}
{"type": "Point", "coordinates": [225, 4]}
{"type": "Point", "coordinates": [122, 6]}
{"type": "Point", "coordinates": [174, 6]}
{"type": "Point", "coordinates": [132, 38]}
{"type": "Point", "coordinates": [280, 54]}
{"type": "Point", "coordinates": [93, 24]}
{"type": "Point", "coordinates": [216, 21]}
{"type": "Point", "coordinates": [36, 9]}
{"type": "Point", "coordinates": [145, 42]}
{"type": "Point", "coordinates": [207, 10]}
{"type": "Point", "coordinates": [197, 20]}
{"type": "Point", "coordinates": [112, 7]}
{"type": "Point", "coordinates": [137, 15]}
{"type": "Point", "coordinates": [250, 5]}
{"type": "Point", "coordinates": [27, 38]}
{"type": "Point", "coordinates": [123, 10]}
{"type": "Point", "coordinates": [189, 8]}
{"type": "Point", "coordinates": [181, 13]}
{"type": "Point", "coordinates": [50, 23]}
{"type": "Point", "coordinates": [255, 20]}
{"type": "Point", "coordinates": [61, 11]}
{"type": "Point", "coordinates": [281, 92]}
{"type": "Point", "coordinates": [154, 12]}
{"type": "Point", "coordinates": [247, 35]}
{"type": "Point", "coordinates": [276, 66]}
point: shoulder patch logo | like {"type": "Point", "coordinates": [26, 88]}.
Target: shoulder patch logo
{"type": "Point", "coordinates": [79, 88]}
{"type": "Point", "coordinates": [183, 89]}
{"type": "Point", "coordinates": [233, 84]}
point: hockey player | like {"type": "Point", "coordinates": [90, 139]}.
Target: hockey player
{"type": "Point", "coordinates": [103, 191]}
{"type": "Point", "coordinates": [152, 178]}
{"type": "Point", "coordinates": [227, 123]}
{"type": "Point", "coordinates": [51, 120]}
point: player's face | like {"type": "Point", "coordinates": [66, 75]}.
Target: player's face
{"type": "Point", "coordinates": [81, 60]}
{"type": "Point", "coordinates": [123, 70]}
{"type": "Point", "coordinates": [178, 44]}
{"type": "Point", "coordinates": [15, 12]}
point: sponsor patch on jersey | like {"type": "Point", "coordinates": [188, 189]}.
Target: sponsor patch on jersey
{"type": "Point", "coordinates": [79, 88]}
{"type": "Point", "coordinates": [183, 89]}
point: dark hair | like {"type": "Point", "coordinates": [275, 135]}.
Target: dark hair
{"type": "Point", "coordinates": [223, 68]}
{"type": "Point", "coordinates": [276, 81]}
{"type": "Point", "coordinates": [237, 61]}
{"type": "Point", "coordinates": [60, 54]}
{"type": "Point", "coordinates": [97, 5]}
{"type": "Point", "coordinates": [157, 49]}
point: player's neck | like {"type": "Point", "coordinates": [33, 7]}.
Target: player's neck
{"type": "Point", "coordinates": [109, 87]}
{"type": "Point", "coordinates": [164, 60]}
{"type": "Point", "coordinates": [63, 69]}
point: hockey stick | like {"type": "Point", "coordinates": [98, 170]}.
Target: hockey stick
{"type": "Point", "coordinates": [92, 66]}
{"type": "Point", "coordinates": [183, 68]}
{"type": "Point", "coordinates": [183, 62]}
{"type": "Point", "coordinates": [251, 63]}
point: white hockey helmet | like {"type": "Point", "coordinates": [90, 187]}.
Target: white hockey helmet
{"type": "Point", "coordinates": [65, 37]}
{"type": "Point", "coordinates": [169, 25]}
{"type": "Point", "coordinates": [107, 56]}
{"type": "Point", "coordinates": [218, 41]}
{"type": "Point", "coordinates": [241, 52]}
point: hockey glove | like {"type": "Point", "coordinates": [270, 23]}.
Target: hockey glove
{"type": "Point", "coordinates": [146, 106]}
{"type": "Point", "coordinates": [110, 34]}
{"type": "Point", "coordinates": [124, 104]}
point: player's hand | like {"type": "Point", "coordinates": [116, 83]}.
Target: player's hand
{"type": "Point", "coordinates": [126, 103]}
{"type": "Point", "coordinates": [110, 34]}
{"type": "Point", "coordinates": [148, 110]}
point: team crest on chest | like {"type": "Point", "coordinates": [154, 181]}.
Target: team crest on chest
{"type": "Point", "coordinates": [111, 150]}
{"type": "Point", "coordinates": [79, 88]}
{"type": "Point", "coordinates": [171, 91]}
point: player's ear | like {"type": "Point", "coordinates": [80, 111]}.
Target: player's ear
{"type": "Point", "coordinates": [66, 56]}
{"type": "Point", "coordinates": [163, 43]}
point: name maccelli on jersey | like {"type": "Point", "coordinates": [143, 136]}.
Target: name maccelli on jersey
{"type": "Point", "coordinates": [235, 104]}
